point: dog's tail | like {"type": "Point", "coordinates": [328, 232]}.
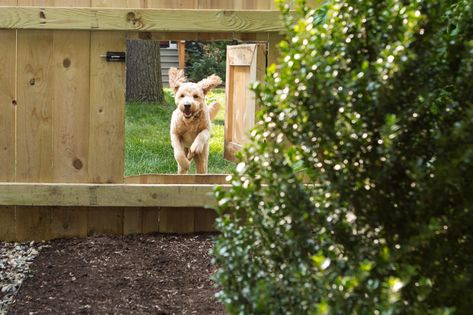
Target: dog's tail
{"type": "Point", "coordinates": [213, 110]}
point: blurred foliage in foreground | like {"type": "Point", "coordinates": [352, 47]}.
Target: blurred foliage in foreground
{"type": "Point", "coordinates": [372, 103]}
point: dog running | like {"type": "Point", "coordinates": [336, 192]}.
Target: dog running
{"type": "Point", "coordinates": [190, 122]}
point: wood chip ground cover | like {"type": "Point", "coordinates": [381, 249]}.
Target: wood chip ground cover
{"type": "Point", "coordinates": [141, 274]}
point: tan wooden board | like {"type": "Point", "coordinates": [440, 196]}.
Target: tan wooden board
{"type": "Point", "coordinates": [68, 222]}
{"type": "Point", "coordinates": [204, 220]}
{"type": "Point", "coordinates": [105, 220]}
{"type": "Point", "coordinates": [7, 224]}
{"type": "Point", "coordinates": [119, 19]}
{"type": "Point", "coordinates": [107, 109]}
{"type": "Point", "coordinates": [151, 217]}
{"type": "Point", "coordinates": [34, 106]}
{"type": "Point", "coordinates": [246, 64]}
{"type": "Point", "coordinates": [33, 223]}
{"type": "Point", "coordinates": [176, 220]}
{"type": "Point", "coordinates": [107, 195]}
{"type": "Point", "coordinates": [71, 71]}
{"type": "Point", "coordinates": [132, 221]}
{"type": "Point", "coordinates": [7, 105]}
{"type": "Point", "coordinates": [177, 179]}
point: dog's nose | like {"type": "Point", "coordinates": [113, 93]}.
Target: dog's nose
{"type": "Point", "coordinates": [187, 105]}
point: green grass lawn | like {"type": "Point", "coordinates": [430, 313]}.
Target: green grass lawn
{"type": "Point", "coordinates": [148, 145]}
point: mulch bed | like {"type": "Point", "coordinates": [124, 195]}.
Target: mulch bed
{"type": "Point", "coordinates": [142, 274]}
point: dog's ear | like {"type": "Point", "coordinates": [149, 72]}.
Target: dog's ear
{"type": "Point", "coordinates": [176, 78]}
{"type": "Point", "coordinates": [209, 83]}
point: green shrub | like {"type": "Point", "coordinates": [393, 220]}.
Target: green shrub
{"type": "Point", "coordinates": [206, 58]}
{"type": "Point", "coordinates": [372, 107]}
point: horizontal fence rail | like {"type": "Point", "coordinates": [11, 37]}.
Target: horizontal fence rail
{"type": "Point", "coordinates": [119, 19]}
{"type": "Point", "coordinates": [107, 195]}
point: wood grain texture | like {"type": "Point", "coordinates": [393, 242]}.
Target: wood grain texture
{"type": "Point", "coordinates": [132, 221]}
{"type": "Point", "coordinates": [105, 221]}
{"type": "Point", "coordinates": [151, 218]}
{"type": "Point", "coordinates": [33, 223]}
{"type": "Point", "coordinates": [106, 18]}
{"type": "Point", "coordinates": [34, 161]}
{"type": "Point", "coordinates": [7, 224]}
{"type": "Point", "coordinates": [107, 109]}
{"type": "Point", "coordinates": [68, 222]}
{"type": "Point", "coordinates": [107, 195]}
{"type": "Point", "coordinates": [7, 105]}
{"type": "Point", "coordinates": [71, 70]}
{"type": "Point", "coordinates": [118, 3]}
{"type": "Point", "coordinates": [56, 3]}
{"type": "Point", "coordinates": [245, 64]}
{"type": "Point", "coordinates": [177, 179]}
{"type": "Point", "coordinates": [176, 220]}
{"type": "Point", "coordinates": [204, 220]}
{"type": "Point", "coordinates": [172, 4]}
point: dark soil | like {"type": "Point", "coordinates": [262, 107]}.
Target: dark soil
{"type": "Point", "coordinates": [144, 274]}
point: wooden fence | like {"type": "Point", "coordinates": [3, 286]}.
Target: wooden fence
{"type": "Point", "coordinates": [62, 114]}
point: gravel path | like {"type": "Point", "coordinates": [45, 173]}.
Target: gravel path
{"type": "Point", "coordinates": [15, 261]}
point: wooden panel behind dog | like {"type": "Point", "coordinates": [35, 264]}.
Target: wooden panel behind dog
{"type": "Point", "coordinates": [245, 65]}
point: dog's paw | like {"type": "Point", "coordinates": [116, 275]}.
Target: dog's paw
{"type": "Point", "coordinates": [196, 148]}
{"type": "Point", "coordinates": [183, 162]}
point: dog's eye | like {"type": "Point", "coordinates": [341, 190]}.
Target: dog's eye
{"type": "Point", "coordinates": [181, 96]}
{"type": "Point", "coordinates": [196, 96]}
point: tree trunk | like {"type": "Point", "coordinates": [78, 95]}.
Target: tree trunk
{"type": "Point", "coordinates": [143, 65]}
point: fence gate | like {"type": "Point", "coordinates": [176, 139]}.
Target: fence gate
{"type": "Point", "coordinates": [245, 64]}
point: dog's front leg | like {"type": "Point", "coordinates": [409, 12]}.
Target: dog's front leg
{"type": "Point", "coordinates": [199, 143]}
{"type": "Point", "coordinates": [180, 155]}
{"type": "Point", "coordinates": [202, 160]}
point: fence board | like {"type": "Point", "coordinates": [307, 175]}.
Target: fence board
{"type": "Point", "coordinates": [7, 224]}
{"type": "Point", "coordinates": [176, 220]}
{"type": "Point", "coordinates": [68, 222]}
{"type": "Point", "coordinates": [177, 179]}
{"type": "Point", "coordinates": [150, 20]}
{"type": "Point", "coordinates": [107, 109]}
{"type": "Point", "coordinates": [204, 220]}
{"type": "Point", "coordinates": [71, 106]}
{"type": "Point", "coordinates": [151, 218]}
{"type": "Point", "coordinates": [34, 109]}
{"type": "Point", "coordinates": [7, 105]}
{"type": "Point", "coordinates": [33, 223]}
{"type": "Point", "coordinates": [106, 195]}
{"type": "Point", "coordinates": [132, 221]}
{"type": "Point", "coordinates": [105, 220]}
{"type": "Point", "coordinates": [172, 4]}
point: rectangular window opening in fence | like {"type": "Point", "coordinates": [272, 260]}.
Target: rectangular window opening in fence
{"type": "Point", "coordinates": [151, 101]}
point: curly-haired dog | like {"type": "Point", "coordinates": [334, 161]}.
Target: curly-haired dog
{"type": "Point", "coordinates": [190, 122]}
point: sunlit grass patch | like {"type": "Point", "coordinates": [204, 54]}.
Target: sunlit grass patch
{"type": "Point", "coordinates": [147, 140]}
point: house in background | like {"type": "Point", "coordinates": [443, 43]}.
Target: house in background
{"type": "Point", "coordinates": [172, 55]}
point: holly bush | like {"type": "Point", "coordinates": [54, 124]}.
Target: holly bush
{"type": "Point", "coordinates": [355, 195]}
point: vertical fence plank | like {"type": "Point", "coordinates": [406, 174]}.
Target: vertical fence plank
{"type": "Point", "coordinates": [34, 109]}
{"type": "Point", "coordinates": [107, 124]}
{"type": "Point", "coordinates": [176, 220]}
{"type": "Point", "coordinates": [107, 109]}
{"type": "Point", "coordinates": [107, 120]}
{"type": "Point", "coordinates": [205, 220]}
{"type": "Point", "coordinates": [7, 105]}
{"type": "Point", "coordinates": [34, 158]}
{"type": "Point", "coordinates": [103, 220]}
{"type": "Point", "coordinates": [68, 222]}
{"type": "Point", "coordinates": [71, 106]}
{"type": "Point", "coordinates": [7, 125]}
{"type": "Point", "coordinates": [151, 217]}
{"type": "Point", "coordinates": [133, 221]}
